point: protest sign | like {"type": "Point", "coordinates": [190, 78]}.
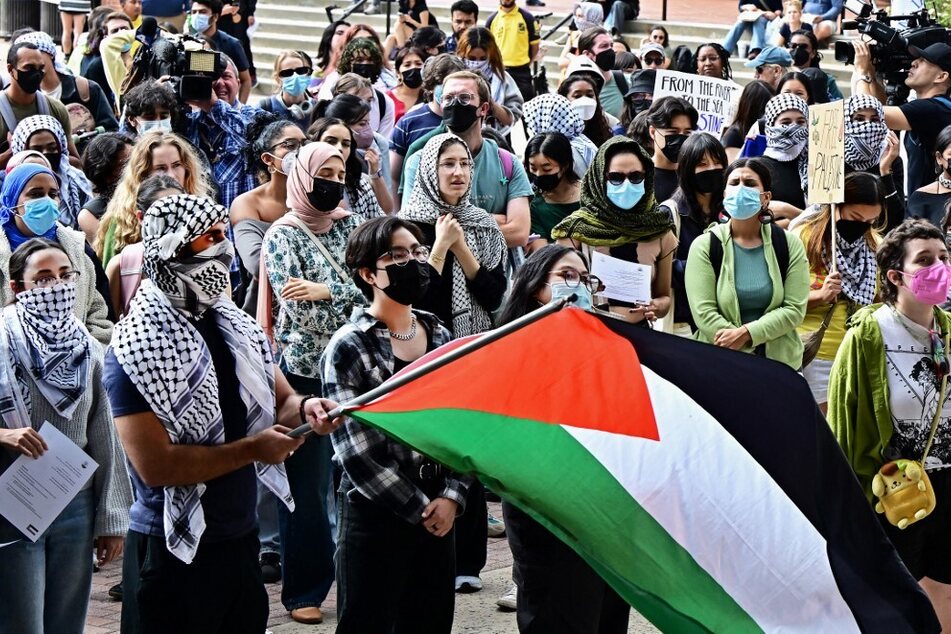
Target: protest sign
{"type": "Point", "coordinates": [713, 98]}
{"type": "Point", "coordinates": [826, 153]}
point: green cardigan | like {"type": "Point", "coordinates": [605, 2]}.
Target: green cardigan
{"type": "Point", "coordinates": [859, 411]}
{"type": "Point", "coordinates": [716, 308]}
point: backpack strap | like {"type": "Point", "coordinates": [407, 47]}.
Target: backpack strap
{"type": "Point", "coordinates": [381, 103]}
{"type": "Point", "coordinates": [780, 248]}
{"type": "Point", "coordinates": [506, 159]}
{"type": "Point", "coordinates": [716, 256]}
{"type": "Point", "coordinates": [621, 81]}
{"type": "Point", "coordinates": [6, 111]}
{"type": "Point", "coordinates": [944, 101]}
{"type": "Point", "coordinates": [42, 104]}
{"type": "Point", "coordinates": [82, 89]}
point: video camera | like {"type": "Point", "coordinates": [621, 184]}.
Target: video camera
{"type": "Point", "coordinates": [192, 69]}
{"type": "Point", "coordinates": [889, 48]}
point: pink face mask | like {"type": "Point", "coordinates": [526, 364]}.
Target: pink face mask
{"type": "Point", "coordinates": [930, 284]}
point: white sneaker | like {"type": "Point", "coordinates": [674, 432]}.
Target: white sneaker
{"type": "Point", "coordinates": [496, 526]}
{"type": "Point", "coordinates": [466, 584]}
{"type": "Point", "coordinates": [508, 601]}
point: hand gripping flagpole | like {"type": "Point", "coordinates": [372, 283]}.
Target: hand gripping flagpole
{"type": "Point", "coordinates": [442, 360]}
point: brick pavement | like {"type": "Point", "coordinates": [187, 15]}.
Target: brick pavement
{"type": "Point", "coordinates": [103, 615]}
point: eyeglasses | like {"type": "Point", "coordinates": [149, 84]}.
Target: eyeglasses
{"type": "Point", "coordinates": [618, 178]}
{"type": "Point", "coordinates": [49, 281]}
{"type": "Point", "coordinates": [450, 166]}
{"type": "Point", "coordinates": [291, 145]}
{"type": "Point", "coordinates": [573, 279]}
{"type": "Point", "coordinates": [462, 98]}
{"type": "Point", "coordinates": [300, 70]}
{"type": "Point", "coordinates": [402, 256]}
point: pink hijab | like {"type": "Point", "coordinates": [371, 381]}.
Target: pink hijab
{"type": "Point", "coordinates": [300, 182]}
{"type": "Point", "coordinates": [21, 157]}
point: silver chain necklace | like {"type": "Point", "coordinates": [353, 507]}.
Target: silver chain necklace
{"type": "Point", "coordinates": [407, 337]}
{"type": "Point", "coordinates": [945, 182]}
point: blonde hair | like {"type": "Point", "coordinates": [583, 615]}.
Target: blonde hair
{"type": "Point", "coordinates": [122, 208]}
{"type": "Point", "coordinates": [301, 55]}
{"type": "Point", "coordinates": [350, 83]}
{"type": "Point", "coordinates": [793, 4]}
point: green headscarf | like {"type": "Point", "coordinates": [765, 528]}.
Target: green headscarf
{"type": "Point", "coordinates": [601, 223]}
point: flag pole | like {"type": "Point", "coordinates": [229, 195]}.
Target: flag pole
{"type": "Point", "coordinates": [835, 265]}
{"type": "Point", "coordinates": [442, 360]}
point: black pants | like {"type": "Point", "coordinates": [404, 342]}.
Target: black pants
{"type": "Point", "coordinates": [393, 577]}
{"type": "Point", "coordinates": [221, 591]}
{"type": "Point", "coordinates": [558, 592]}
{"type": "Point", "coordinates": [523, 79]}
{"type": "Point", "coordinates": [472, 533]}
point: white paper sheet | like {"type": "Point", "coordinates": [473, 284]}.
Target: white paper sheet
{"type": "Point", "coordinates": [624, 281]}
{"type": "Point", "coordinates": [34, 491]}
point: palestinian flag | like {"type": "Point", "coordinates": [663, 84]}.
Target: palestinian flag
{"type": "Point", "coordinates": [702, 484]}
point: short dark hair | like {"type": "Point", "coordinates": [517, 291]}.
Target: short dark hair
{"type": "Point", "coordinates": [145, 98]}
{"type": "Point", "coordinates": [529, 278]}
{"type": "Point", "coordinates": [216, 6]}
{"type": "Point", "coordinates": [21, 256]}
{"type": "Point", "coordinates": [755, 164]}
{"type": "Point", "coordinates": [465, 6]}
{"type": "Point", "coordinates": [891, 252]}
{"type": "Point", "coordinates": [943, 140]}
{"type": "Point", "coordinates": [353, 165]}
{"type": "Point", "coordinates": [149, 190]}
{"type": "Point", "coordinates": [99, 160]}
{"type": "Point", "coordinates": [264, 130]}
{"type": "Point", "coordinates": [663, 110]}
{"type": "Point", "coordinates": [14, 51]}
{"type": "Point", "coordinates": [555, 146]}
{"type": "Point", "coordinates": [371, 239]}
{"type": "Point", "coordinates": [347, 107]}
{"type": "Point", "coordinates": [586, 41]}
{"type": "Point", "coordinates": [427, 37]}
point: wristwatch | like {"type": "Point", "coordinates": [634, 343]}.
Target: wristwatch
{"type": "Point", "coordinates": [379, 174]}
{"type": "Point", "coordinates": [866, 78]}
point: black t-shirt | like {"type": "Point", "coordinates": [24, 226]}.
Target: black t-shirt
{"type": "Point", "coordinates": [927, 118]}
{"type": "Point", "coordinates": [787, 184]}
{"type": "Point", "coordinates": [97, 207]}
{"type": "Point", "coordinates": [232, 48]}
{"type": "Point", "coordinates": [229, 501]}
{"type": "Point", "coordinates": [733, 137]}
{"type": "Point", "coordinates": [665, 183]}
{"type": "Point", "coordinates": [928, 206]}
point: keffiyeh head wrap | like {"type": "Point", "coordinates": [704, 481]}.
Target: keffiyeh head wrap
{"type": "Point", "coordinates": [46, 45]}
{"type": "Point", "coordinates": [552, 112]}
{"type": "Point", "coordinates": [300, 182]}
{"type": "Point", "coordinates": [600, 222]}
{"type": "Point", "coordinates": [593, 15]}
{"type": "Point", "coordinates": [167, 360]}
{"type": "Point", "coordinates": [74, 187]}
{"type": "Point", "coordinates": [864, 139]}
{"type": "Point", "coordinates": [482, 234]}
{"type": "Point", "coordinates": [788, 142]}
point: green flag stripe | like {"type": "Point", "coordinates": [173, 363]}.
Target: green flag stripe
{"type": "Point", "coordinates": [547, 473]}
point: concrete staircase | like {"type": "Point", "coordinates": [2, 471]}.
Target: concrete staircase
{"type": "Point", "coordinates": [300, 25]}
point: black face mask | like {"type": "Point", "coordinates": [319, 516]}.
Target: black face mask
{"type": "Point", "coordinates": [672, 145]}
{"type": "Point", "coordinates": [459, 118]}
{"type": "Point", "coordinates": [709, 181]}
{"type": "Point", "coordinates": [800, 55]}
{"type": "Point", "coordinates": [413, 78]}
{"type": "Point", "coordinates": [365, 70]}
{"type": "Point", "coordinates": [54, 159]}
{"type": "Point", "coordinates": [851, 230]}
{"type": "Point", "coordinates": [639, 105]}
{"type": "Point", "coordinates": [408, 283]}
{"type": "Point", "coordinates": [326, 194]}
{"type": "Point", "coordinates": [545, 182]}
{"type": "Point", "coordinates": [29, 80]}
{"type": "Point", "coordinates": [605, 59]}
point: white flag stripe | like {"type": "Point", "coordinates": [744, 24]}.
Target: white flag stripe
{"type": "Point", "coordinates": [721, 506]}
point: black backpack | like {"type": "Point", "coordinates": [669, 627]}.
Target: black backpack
{"type": "Point", "coordinates": [780, 247]}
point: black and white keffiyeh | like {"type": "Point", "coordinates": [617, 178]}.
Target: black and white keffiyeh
{"type": "Point", "coordinates": [74, 187]}
{"type": "Point", "coordinates": [864, 140]}
{"type": "Point", "coordinates": [552, 112]}
{"type": "Point", "coordinates": [856, 264]}
{"type": "Point", "coordinates": [482, 233]}
{"type": "Point", "coordinates": [45, 44]}
{"type": "Point", "coordinates": [788, 142]}
{"type": "Point", "coordinates": [169, 363]}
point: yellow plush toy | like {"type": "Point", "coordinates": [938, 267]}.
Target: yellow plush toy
{"type": "Point", "coordinates": [904, 492]}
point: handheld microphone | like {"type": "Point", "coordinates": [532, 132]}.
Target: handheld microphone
{"type": "Point", "coordinates": [147, 31]}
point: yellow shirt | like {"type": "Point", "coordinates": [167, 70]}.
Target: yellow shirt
{"type": "Point", "coordinates": [514, 32]}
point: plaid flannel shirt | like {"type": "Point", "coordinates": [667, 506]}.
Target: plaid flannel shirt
{"type": "Point", "coordinates": [358, 358]}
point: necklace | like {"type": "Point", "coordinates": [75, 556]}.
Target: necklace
{"type": "Point", "coordinates": [408, 336]}
{"type": "Point", "coordinates": [945, 182]}
{"type": "Point", "coordinates": [916, 336]}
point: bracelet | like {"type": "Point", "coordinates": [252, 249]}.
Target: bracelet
{"type": "Point", "coordinates": [436, 259]}
{"type": "Point", "coordinates": [304, 399]}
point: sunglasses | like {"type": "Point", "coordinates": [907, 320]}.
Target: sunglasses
{"type": "Point", "coordinates": [300, 70]}
{"type": "Point", "coordinates": [653, 59]}
{"type": "Point", "coordinates": [617, 178]}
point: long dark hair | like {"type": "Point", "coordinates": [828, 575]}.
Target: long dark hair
{"type": "Point", "coordinates": [803, 79]}
{"type": "Point", "coordinates": [813, 42]}
{"type": "Point", "coordinates": [264, 129]}
{"type": "Point", "coordinates": [751, 107]}
{"type": "Point", "coordinates": [596, 128]}
{"type": "Point", "coordinates": [694, 149]}
{"type": "Point", "coordinates": [555, 146]}
{"type": "Point", "coordinates": [529, 278]}
{"type": "Point", "coordinates": [324, 48]}
{"type": "Point", "coordinates": [353, 165]}
{"type": "Point", "coordinates": [755, 164]}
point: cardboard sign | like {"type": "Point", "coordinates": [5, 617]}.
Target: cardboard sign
{"type": "Point", "coordinates": [826, 153]}
{"type": "Point", "coordinates": [713, 98]}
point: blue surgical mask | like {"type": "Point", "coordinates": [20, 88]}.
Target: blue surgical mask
{"type": "Point", "coordinates": [40, 215]}
{"type": "Point", "coordinates": [584, 300]}
{"type": "Point", "coordinates": [295, 85]}
{"type": "Point", "coordinates": [162, 125]}
{"type": "Point", "coordinates": [742, 202]}
{"type": "Point", "coordinates": [437, 94]}
{"type": "Point", "coordinates": [625, 195]}
{"type": "Point", "coordinates": [199, 22]}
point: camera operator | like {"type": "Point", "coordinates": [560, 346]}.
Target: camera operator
{"type": "Point", "coordinates": [921, 119]}
{"type": "Point", "coordinates": [203, 20]}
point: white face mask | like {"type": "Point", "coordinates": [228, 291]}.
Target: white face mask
{"type": "Point", "coordinates": [162, 125]}
{"type": "Point", "coordinates": [585, 107]}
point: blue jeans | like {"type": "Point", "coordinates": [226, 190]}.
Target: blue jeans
{"type": "Point", "coordinates": [307, 549]}
{"type": "Point", "coordinates": [45, 585]}
{"type": "Point", "coordinates": [758, 39]}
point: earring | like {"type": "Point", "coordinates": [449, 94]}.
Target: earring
{"type": "Point", "coordinates": [766, 216]}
